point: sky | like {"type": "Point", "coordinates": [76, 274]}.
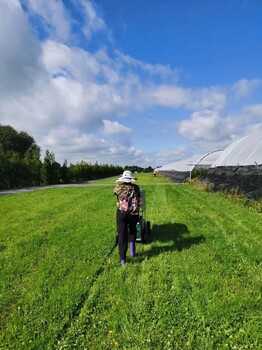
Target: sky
{"type": "Point", "coordinates": [131, 82]}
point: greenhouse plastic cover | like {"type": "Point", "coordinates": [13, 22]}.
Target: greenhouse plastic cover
{"type": "Point", "coordinates": [245, 151]}
{"type": "Point", "coordinates": [208, 159]}
{"type": "Point", "coordinates": [188, 164]}
{"type": "Point", "coordinates": [184, 165]}
{"type": "Point", "coordinates": [178, 166]}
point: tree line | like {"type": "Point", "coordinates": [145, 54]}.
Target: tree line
{"type": "Point", "coordinates": [21, 164]}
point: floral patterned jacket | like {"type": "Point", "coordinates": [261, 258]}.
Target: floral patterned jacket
{"type": "Point", "coordinates": [128, 198]}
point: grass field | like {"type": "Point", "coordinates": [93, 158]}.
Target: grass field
{"type": "Point", "coordinates": [196, 285]}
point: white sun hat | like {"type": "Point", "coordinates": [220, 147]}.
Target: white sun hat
{"type": "Point", "coordinates": [126, 177]}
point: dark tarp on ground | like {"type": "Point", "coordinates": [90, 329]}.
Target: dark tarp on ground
{"type": "Point", "coordinates": [246, 179]}
{"type": "Point", "coordinates": [176, 176]}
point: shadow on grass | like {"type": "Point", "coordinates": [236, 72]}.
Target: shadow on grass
{"type": "Point", "coordinates": [177, 237]}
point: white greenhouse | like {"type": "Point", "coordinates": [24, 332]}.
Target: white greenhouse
{"type": "Point", "coordinates": [238, 166]}
{"type": "Point", "coordinates": [245, 151]}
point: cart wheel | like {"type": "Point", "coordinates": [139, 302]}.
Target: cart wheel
{"type": "Point", "coordinates": [147, 232]}
{"type": "Point", "coordinates": [148, 228]}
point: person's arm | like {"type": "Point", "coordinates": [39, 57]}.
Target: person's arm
{"type": "Point", "coordinates": [117, 192]}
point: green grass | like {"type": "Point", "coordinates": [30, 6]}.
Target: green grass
{"type": "Point", "coordinates": [196, 285]}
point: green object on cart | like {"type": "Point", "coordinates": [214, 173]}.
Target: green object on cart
{"type": "Point", "coordinates": [139, 231]}
{"type": "Point", "coordinates": [143, 200]}
{"type": "Point", "coordinates": [140, 226]}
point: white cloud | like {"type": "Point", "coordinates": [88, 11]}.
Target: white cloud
{"type": "Point", "coordinates": [175, 97]}
{"type": "Point", "coordinates": [19, 58]}
{"type": "Point", "coordinates": [111, 128]}
{"type": "Point", "coordinates": [248, 120]}
{"type": "Point", "coordinates": [254, 128]}
{"type": "Point", "coordinates": [207, 98]}
{"type": "Point", "coordinates": [54, 17]}
{"type": "Point", "coordinates": [166, 155]}
{"type": "Point", "coordinates": [205, 125]}
{"type": "Point", "coordinates": [74, 145]}
{"type": "Point", "coordinates": [60, 59]}
{"type": "Point", "coordinates": [71, 139]}
{"type": "Point", "coordinates": [167, 95]}
{"type": "Point", "coordinates": [93, 23]}
{"type": "Point", "coordinates": [159, 70]}
{"type": "Point", "coordinates": [211, 130]}
{"type": "Point", "coordinates": [103, 88]}
{"type": "Point", "coordinates": [244, 87]}
{"type": "Point", "coordinates": [255, 110]}
{"type": "Point", "coordinates": [57, 21]}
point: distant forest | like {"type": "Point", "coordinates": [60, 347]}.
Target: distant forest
{"type": "Point", "coordinates": [21, 165]}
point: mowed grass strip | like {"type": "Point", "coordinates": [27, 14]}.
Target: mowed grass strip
{"type": "Point", "coordinates": [196, 285]}
{"type": "Point", "coordinates": [53, 243]}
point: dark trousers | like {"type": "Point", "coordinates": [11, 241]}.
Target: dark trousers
{"type": "Point", "coordinates": [126, 228]}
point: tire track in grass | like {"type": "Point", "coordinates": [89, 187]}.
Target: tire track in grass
{"type": "Point", "coordinates": [232, 215]}
{"type": "Point", "coordinates": [233, 227]}
{"type": "Point", "coordinates": [31, 248]}
{"type": "Point", "coordinates": [228, 224]}
{"type": "Point", "coordinates": [162, 193]}
{"type": "Point", "coordinates": [232, 220]}
{"type": "Point", "coordinates": [220, 219]}
{"type": "Point", "coordinates": [69, 309]}
{"type": "Point", "coordinates": [83, 298]}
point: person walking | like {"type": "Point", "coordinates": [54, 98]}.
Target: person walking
{"type": "Point", "coordinates": [128, 199]}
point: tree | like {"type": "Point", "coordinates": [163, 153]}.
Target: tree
{"type": "Point", "coordinates": [50, 169]}
{"type": "Point", "coordinates": [7, 138]}
{"type": "Point", "coordinates": [64, 172]}
{"type": "Point", "coordinates": [26, 143]}
{"type": "Point", "coordinates": [18, 142]}
{"type": "Point", "coordinates": [148, 170]}
{"type": "Point", "coordinates": [32, 165]}
{"type": "Point", "coordinates": [3, 168]}
{"type": "Point", "coordinates": [19, 158]}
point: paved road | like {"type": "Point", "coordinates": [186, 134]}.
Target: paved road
{"type": "Point", "coordinates": [34, 188]}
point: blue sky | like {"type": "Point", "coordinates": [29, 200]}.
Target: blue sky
{"type": "Point", "coordinates": [142, 82]}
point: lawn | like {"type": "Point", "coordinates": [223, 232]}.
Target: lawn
{"type": "Point", "coordinates": [196, 285]}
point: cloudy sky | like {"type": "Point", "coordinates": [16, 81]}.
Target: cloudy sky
{"type": "Point", "coordinates": [143, 82]}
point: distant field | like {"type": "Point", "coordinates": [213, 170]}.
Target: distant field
{"type": "Point", "coordinates": [196, 285]}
